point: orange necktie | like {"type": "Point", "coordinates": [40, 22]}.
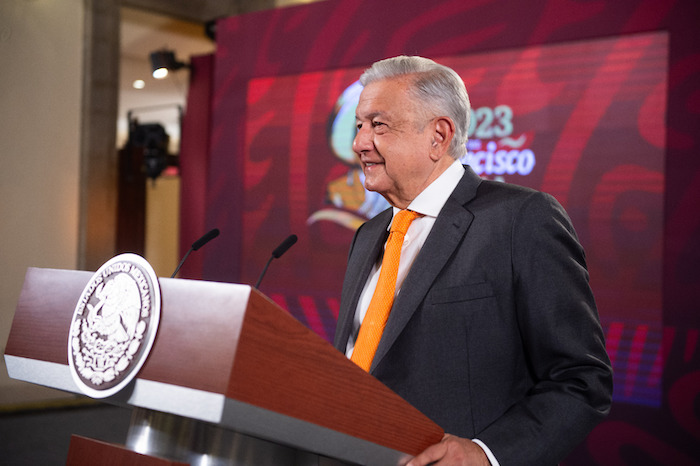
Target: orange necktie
{"type": "Point", "coordinates": [383, 298]}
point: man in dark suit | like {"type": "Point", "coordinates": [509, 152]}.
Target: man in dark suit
{"type": "Point", "coordinates": [493, 332]}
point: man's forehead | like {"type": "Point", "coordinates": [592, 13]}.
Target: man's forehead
{"type": "Point", "coordinates": [383, 98]}
{"type": "Point", "coordinates": [371, 106]}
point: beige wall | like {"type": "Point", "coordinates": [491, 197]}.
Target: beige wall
{"type": "Point", "coordinates": [40, 102]}
{"type": "Point", "coordinates": [163, 224]}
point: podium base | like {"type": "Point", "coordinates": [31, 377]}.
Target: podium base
{"type": "Point", "coordinates": [87, 452]}
{"type": "Point", "coordinates": [200, 444]}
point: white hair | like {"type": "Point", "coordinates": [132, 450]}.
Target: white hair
{"type": "Point", "coordinates": [439, 87]}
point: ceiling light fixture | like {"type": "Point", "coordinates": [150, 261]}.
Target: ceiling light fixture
{"type": "Point", "coordinates": [163, 61]}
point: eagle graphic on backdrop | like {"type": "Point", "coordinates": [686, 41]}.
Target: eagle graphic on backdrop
{"type": "Point", "coordinates": [352, 203]}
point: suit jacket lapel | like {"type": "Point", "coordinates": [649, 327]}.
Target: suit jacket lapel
{"type": "Point", "coordinates": [363, 256]}
{"type": "Point", "coordinates": [448, 232]}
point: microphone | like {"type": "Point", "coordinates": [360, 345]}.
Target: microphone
{"type": "Point", "coordinates": [284, 247]}
{"type": "Point", "coordinates": [208, 236]}
{"type": "Point", "coordinates": [277, 253]}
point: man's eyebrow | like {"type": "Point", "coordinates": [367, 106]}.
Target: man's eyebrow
{"type": "Point", "coordinates": [369, 115]}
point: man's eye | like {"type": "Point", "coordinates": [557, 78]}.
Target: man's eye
{"type": "Point", "coordinates": [377, 123]}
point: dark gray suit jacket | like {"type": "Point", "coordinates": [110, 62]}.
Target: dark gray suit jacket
{"type": "Point", "coordinates": [495, 333]}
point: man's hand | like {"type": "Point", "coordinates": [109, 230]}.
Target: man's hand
{"type": "Point", "coordinates": [452, 451]}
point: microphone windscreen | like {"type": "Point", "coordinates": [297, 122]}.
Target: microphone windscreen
{"type": "Point", "coordinates": [208, 236]}
{"type": "Point", "coordinates": [284, 247]}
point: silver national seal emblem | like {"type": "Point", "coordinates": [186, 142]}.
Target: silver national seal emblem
{"type": "Point", "coordinates": [114, 325]}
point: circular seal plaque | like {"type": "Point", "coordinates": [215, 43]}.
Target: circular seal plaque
{"type": "Point", "coordinates": [114, 325]}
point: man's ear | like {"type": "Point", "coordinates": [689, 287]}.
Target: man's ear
{"type": "Point", "coordinates": [443, 132]}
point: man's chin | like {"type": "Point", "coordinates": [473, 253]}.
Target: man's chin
{"type": "Point", "coordinates": [373, 186]}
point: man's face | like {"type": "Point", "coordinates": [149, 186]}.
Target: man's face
{"type": "Point", "coordinates": [394, 141]}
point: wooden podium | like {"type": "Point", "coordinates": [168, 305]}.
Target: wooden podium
{"type": "Point", "coordinates": [231, 379]}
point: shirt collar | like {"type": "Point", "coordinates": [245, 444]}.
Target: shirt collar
{"type": "Point", "coordinates": [432, 199]}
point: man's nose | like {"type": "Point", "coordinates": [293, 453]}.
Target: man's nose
{"type": "Point", "coordinates": [362, 141]}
